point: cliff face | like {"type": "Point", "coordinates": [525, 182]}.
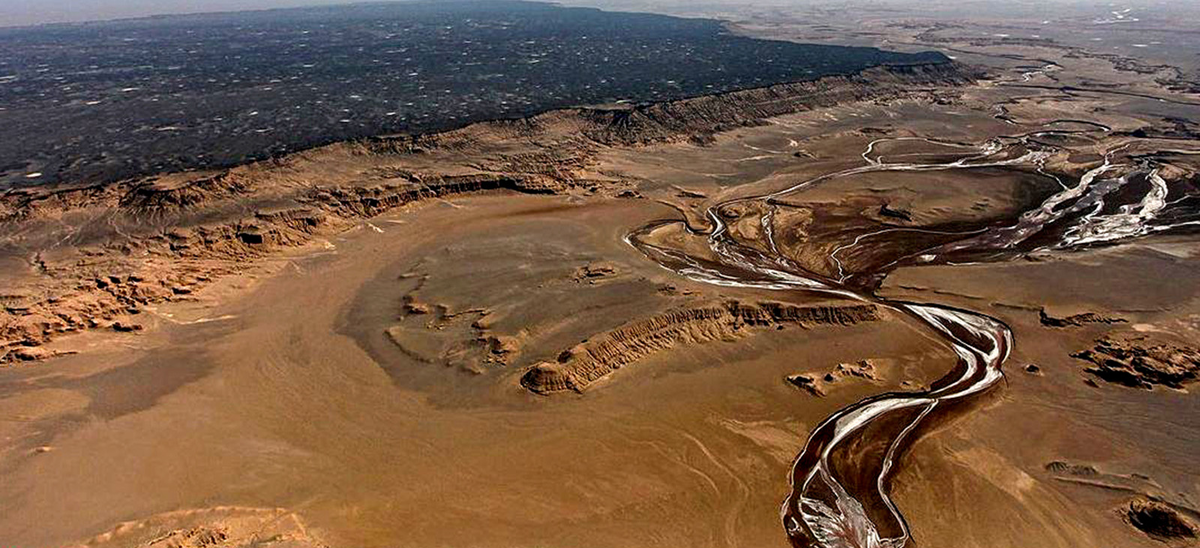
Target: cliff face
{"type": "Point", "coordinates": [715, 113]}
{"type": "Point", "coordinates": [579, 367]}
{"type": "Point", "coordinates": [94, 257]}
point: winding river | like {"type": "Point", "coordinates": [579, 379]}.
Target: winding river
{"type": "Point", "coordinates": [840, 481]}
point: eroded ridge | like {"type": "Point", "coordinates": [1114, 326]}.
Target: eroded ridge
{"type": "Point", "coordinates": [581, 366]}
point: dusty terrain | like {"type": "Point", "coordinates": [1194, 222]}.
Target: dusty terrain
{"type": "Point", "coordinates": [620, 327]}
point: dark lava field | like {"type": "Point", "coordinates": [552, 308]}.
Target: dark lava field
{"type": "Point", "coordinates": [91, 103]}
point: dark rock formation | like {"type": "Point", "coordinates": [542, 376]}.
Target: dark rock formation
{"type": "Point", "coordinates": [1142, 361]}
{"type": "Point", "coordinates": [1159, 521]}
{"type": "Point", "coordinates": [1076, 320]}
{"type": "Point", "coordinates": [886, 210]}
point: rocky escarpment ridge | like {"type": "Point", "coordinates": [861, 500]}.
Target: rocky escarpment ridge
{"type": "Point", "coordinates": [579, 367]}
{"type": "Point", "coordinates": [217, 527]}
{"type": "Point", "coordinates": [1076, 320]}
{"type": "Point", "coordinates": [97, 257]}
{"type": "Point", "coordinates": [716, 113]}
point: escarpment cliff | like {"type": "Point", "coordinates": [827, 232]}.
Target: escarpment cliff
{"type": "Point", "coordinates": [76, 258]}
{"type": "Point", "coordinates": [715, 113]}
{"type": "Point", "coordinates": [581, 366]}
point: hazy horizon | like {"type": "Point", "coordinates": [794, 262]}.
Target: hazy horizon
{"type": "Point", "coordinates": [19, 13]}
{"type": "Point", "coordinates": [16, 13]}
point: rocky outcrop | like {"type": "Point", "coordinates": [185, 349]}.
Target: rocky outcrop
{"type": "Point", "coordinates": [820, 385]}
{"type": "Point", "coordinates": [593, 273]}
{"type": "Point", "coordinates": [1159, 521]}
{"type": "Point", "coordinates": [219, 527]}
{"type": "Point", "coordinates": [1142, 361]}
{"type": "Point", "coordinates": [1069, 469]}
{"type": "Point", "coordinates": [1076, 320]}
{"type": "Point", "coordinates": [579, 367]}
{"type": "Point", "coordinates": [181, 191]}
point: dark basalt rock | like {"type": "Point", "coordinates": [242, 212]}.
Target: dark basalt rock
{"type": "Point", "coordinates": [886, 210]}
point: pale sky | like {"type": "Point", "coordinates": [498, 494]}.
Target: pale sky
{"type": "Point", "coordinates": [32, 12]}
